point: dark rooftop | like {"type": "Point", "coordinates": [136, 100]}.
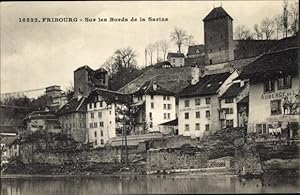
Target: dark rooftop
{"type": "Point", "coordinates": [176, 55]}
{"type": "Point", "coordinates": [148, 89]}
{"type": "Point", "coordinates": [216, 13]}
{"type": "Point", "coordinates": [232, 91]}
{"type": "Point", "coordinates": [170, 123]}
{"type": "Point", "coordinates": [74, 105]}
{"type": "Point", "coordinates": [109, 96]}
{"type": "Point", "coordinates": [207, 85]}
{"type": "Point", "coordinates": [278, 62]}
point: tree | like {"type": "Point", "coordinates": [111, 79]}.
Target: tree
{"type": "Point", "coordinates": [164, 46]}
{"type": "Point", "coordinates": [150, 51]}
{"type": "Point", "coordinates": [257, 31]}
{"type": "Point", "coordinates": [278, 25]}
{"type": "Point", "coordinates": [285, 17]}
{"type": "Point", "coordinates": [294, 18]}
{"type": "Point", "coordinates": [190, 40]}
{"type": "Point", "coordinates": [179, 37]}
{"type": "Point", "coordinates": [125, 57]}
{"type": "Point", "coordinates": [267, 28]}
{"type": "Point", "coordinates": [242, 33]}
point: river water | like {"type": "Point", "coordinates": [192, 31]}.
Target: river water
{"type": "Point", "coordinates": [150, 184]}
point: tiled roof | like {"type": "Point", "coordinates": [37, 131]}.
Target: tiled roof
{"type": "Point", "coordinates": [109, 96]}
{"type": "Point", "coordinates": [148, 89]}
{"type": "Point", "coordinates": [207, 85]}
{"type": "Point", "coordinates": [176, 55]}
{"type": "Point", "coordinates": [195, 49]}
{"type": "Point", "coordinates": [74, 105]}
{"type": "Point", "coordinates": [172, 79]}
{"type": "Point", "coordinates": [278, 62]}
{"type": "Point", "coordinates": [232, 91]}
{"type": "Point", "coordinates": [216, 13]}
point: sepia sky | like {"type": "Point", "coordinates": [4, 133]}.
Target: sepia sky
{"type": "Point", "coordinates": [37, 55]}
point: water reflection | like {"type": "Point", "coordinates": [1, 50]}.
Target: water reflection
{"type": "Point", "coordinates": [145, 185]}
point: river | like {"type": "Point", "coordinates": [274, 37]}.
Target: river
{"type": "Point", "coordinates": [144, 184]}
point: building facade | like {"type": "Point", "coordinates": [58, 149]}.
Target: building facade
{"type": "Point", "coordinates": [72, 117]}
{"type": "Point", "coordinates": [105, 117]}
{"type": "Point", "coordinates": [274, 93]}
{"type": "Point", "coordinates": [155, 105]}
{"type": "Point", "coordinates": [176, 59]}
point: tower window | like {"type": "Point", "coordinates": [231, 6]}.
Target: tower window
{"type": "Point", "coordinates": [210, 61]}
{"type": "Point", "coordinates": [221, 36]}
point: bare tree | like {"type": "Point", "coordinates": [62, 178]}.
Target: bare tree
{"type": "Point", "coordinates": [179, 37]}
{"type": "Point", "coordinates": [285, 17]}
{"type": "Point", "coordinates": [156, 47]}
{"type": "Point", "coordinates": [164, 46]}
{"type": "Point", "coordinates": [190, 40]}
{"type": "Point", "coordinates": [242, 32]}
{"type": "Point", "coordinates": [267, 28]}
{"type": "Point", "coordinates": [257, 32]}
{"type": "Point", "coordinates": [294, 18]}
{"type": "Point", "coordinates": [126, 56]}
{"type": "Point", "coordinates": [278, 25]}
{"type": "Point", "coordinates": [150, 51]}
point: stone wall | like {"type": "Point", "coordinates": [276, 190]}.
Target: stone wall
{"type": "Point", "coordinates": [98, 155]}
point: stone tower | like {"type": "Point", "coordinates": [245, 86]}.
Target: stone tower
{"type": "Point", "coordinates": [218, 37]}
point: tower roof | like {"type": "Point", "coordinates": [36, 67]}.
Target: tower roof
{"type": "Point", "coordinates": [216, 13]}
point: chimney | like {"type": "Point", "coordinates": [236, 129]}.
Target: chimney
{"type": "Point", "coordinates": [154, 85]}
{"type": "Point", "coordinates": [195, 73]}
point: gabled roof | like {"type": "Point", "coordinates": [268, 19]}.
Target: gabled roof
{"type": "Point", "coordinates": [216, 13]}
{"type": "Point", "coordinates": [273, 63]}
{"type": "Point", "coordinates": [176, 55]}
{"type": "Point", "coordinates": [207, 85]}
{"type": "Point", "coordinates": [148, 89]}
{"type": "Point", "coordinates": [109, 96]}
{"type": "Point", "coordinates": [232, 91]}
{"type": "Point", "coordinates": [74, 105]}
{"type": "Point", "coordinates": [172, 79]}
{"type": "Point", "coordinates": [195, 49]}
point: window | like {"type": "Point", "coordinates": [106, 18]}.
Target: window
{"type": "Point", "coordinates": [207, 127]}
{"type": "Point", "coordinates": [173, 59]}
{"type": "Point", "coordinates": [261, 128]}
{"type": "Point", "coordinates": [285, 82]}
{"type": "Point", "coordinates": [102, 141]}
{"type": "Point", "coordinates": [101, 124]}
{"type": "Point", "coordinates": [101, 133]}
{"type": "Point", "coordinates": [186, 115]}
{"type": "Point", "coordinates": [110, 112]}
{"type": "Point", "coordinates": [91, 125]}
{"type": "Point", "coordinates": [168, 97]}
{"type": "Point", "coordinates": [187, 127]}
{"type": "Point", "coordinates": [197, 102]}
{"type": "Point", "coordinates": [197, 126]}
{"type": "Point", "coordinates": [207, 114]}
{"type": "Point", "coordinates": [151, 125]}
{"type": "Point", "coordinates": [228, 100]}
{"type": "Point", "coordinates": [169, 115]}
{"type": "Point", "coordinates": [92, 115]}
{"type": "Point", "coordinates": [95, 104]}
{"type": "Point", "coordinates": [197, 114]}
{"type": "Point", "coordinates": [152, 104]}
{"type": "Point", "coordinates": [165, 106]}
{"type": "Point", "coordinates": [151, 97]}
{"type": "Point", "coordinates": [229, 123]}
{"type": "Point", "coordinates": [210, 61]}
{"type": "Point", "coordinates": [150, 115]}
{"type": "Point", "coordinates": [165, 115]}
{"type": "Point", "coordinates": [90, 105]}
{"type": "Point", "coordinates": [101, 104]}
{"type": "Point", "coordinates": [187, 103]}
{"type": "Point", "coordinates": [207, 100]}
{"type": "Point", "coordinates": [269, 86]}
{"type": "Point", "coordinates": [99, 114]}
{"type": "Point", "coordinates": [275, 107]}
{"type": "Point", "coordinates": [96, 143]}
{"type": "Point", "coordinates": [164, 97]}
{"type": "Point", "coordinates": [95, 133]}
{"type": "Point", "coordinates": [230, 111]}
{"type": "Point", "coordinates": [169, 106]}
{"type": "Point", "coordinates": [95, 125]}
